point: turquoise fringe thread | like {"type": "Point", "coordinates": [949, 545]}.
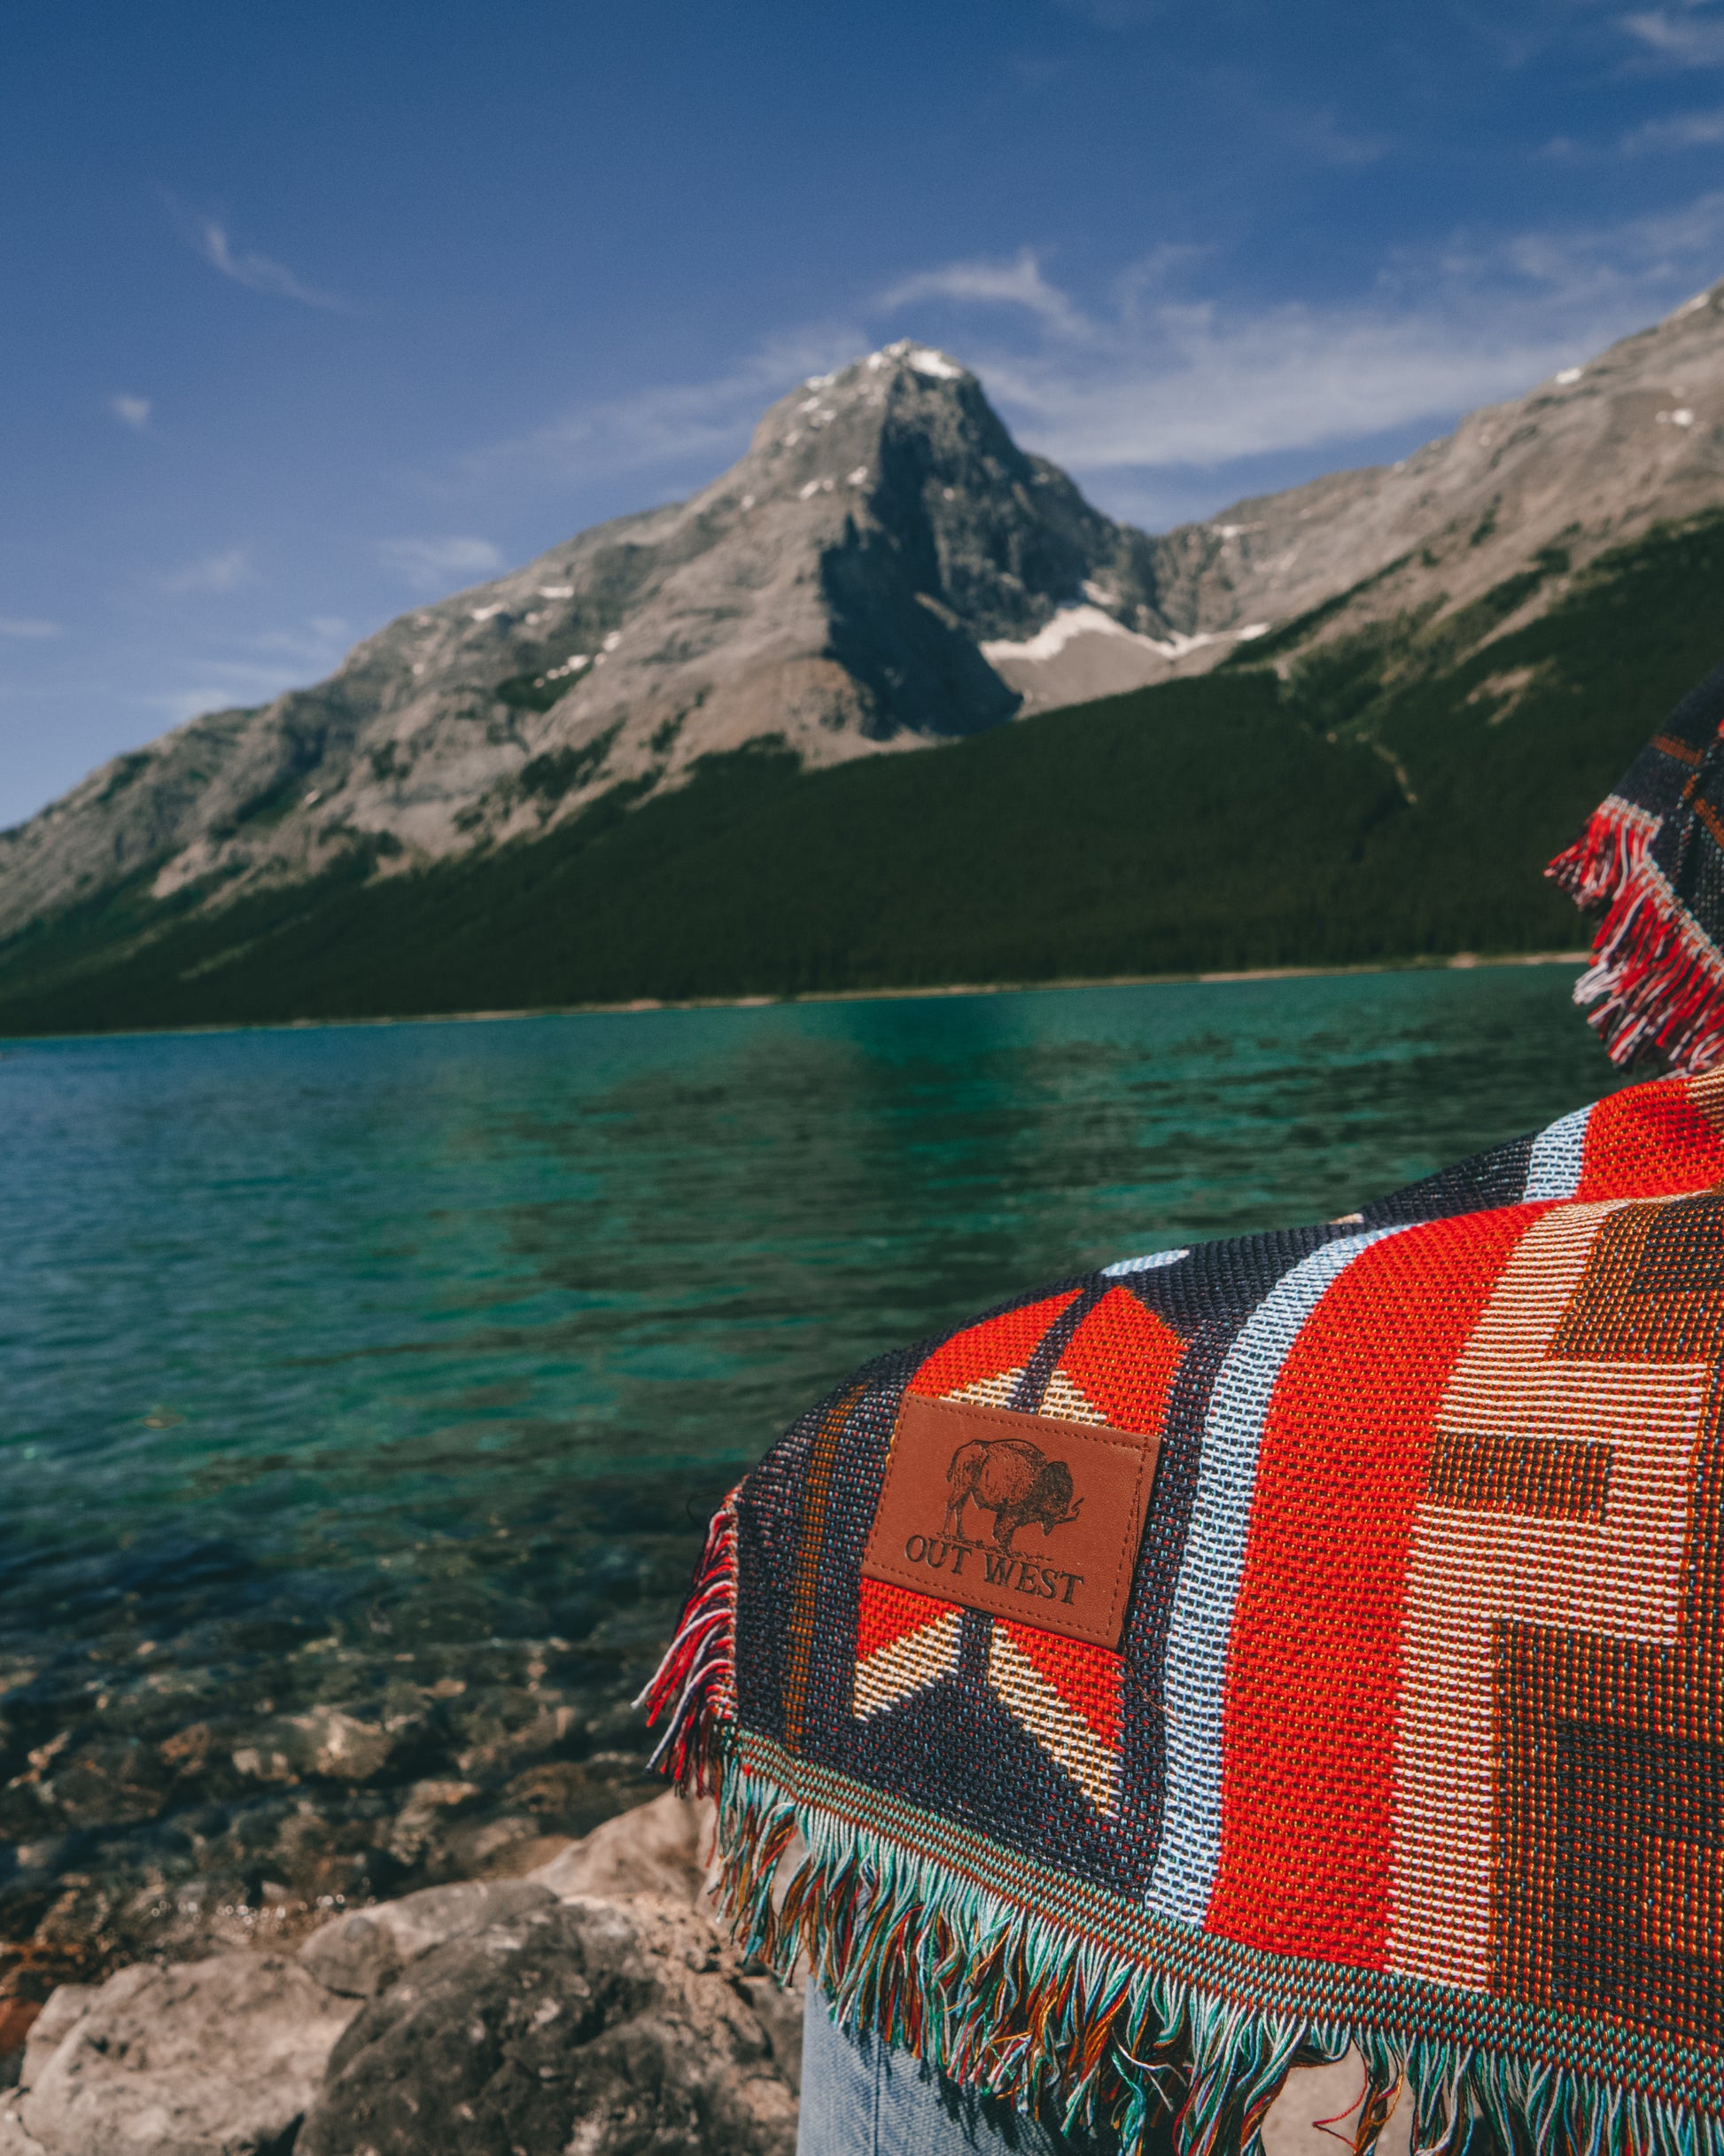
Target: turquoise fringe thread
{"type": "Point", "coordinates": [1007, 2003]}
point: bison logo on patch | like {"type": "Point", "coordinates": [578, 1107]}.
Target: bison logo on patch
{"type": "Point", "coordinates": [1012, 1479]}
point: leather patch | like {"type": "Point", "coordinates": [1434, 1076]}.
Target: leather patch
{"type": "Point", "coordinates": [1016, 1515]}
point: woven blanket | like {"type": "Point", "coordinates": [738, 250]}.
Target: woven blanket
{"type": "Point", "coordinates": [1411, 1736]}
{"type": "Point", "coordinates": [1306, 1642]}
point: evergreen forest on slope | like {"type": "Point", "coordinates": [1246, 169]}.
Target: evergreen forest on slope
{"type": "Point", "coordinates": [1388, 796]}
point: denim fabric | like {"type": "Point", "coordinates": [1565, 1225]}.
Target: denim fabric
{"type": "Point", "coordinates": [861, 2098]}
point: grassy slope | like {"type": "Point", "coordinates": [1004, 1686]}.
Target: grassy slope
{"type": "Point", "coordinates": [1231, 821]}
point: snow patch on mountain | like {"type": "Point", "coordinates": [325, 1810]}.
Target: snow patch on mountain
{"type": "Point", "coordinates": [1075, 621]}
{"type": "Point", "coordinates": [1070, 622]}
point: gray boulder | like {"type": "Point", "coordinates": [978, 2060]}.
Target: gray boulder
{"type": "Point", "coordinates": [661, 1848]}
{"type": "Point", "coordinates": [363, 1952]}
{"type": "Point", "coordinates": [59, 2015]}
{"type": "Point", "coordinates": [209, 2058]}
{"type": "Point", "coordinates": [668, 1848]}
{"type": "Point", "coordinates": [14, 2141]}
{"type": "Point", "coordinates": [607, 2027]}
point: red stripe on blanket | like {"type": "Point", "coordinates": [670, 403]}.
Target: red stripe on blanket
{"type": "Point", "coordinates": [887, 1614]}
{"type": "Point", "coordinates": [1310, 1707]}
{"type": "Point", "coordinates": [984, 1350]}
{"type": "Point", "coordinates": [1123, 1358]}
{"type": "Point", "coordinates": [1651, 1139]}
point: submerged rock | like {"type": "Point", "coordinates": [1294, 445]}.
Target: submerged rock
{"type": "Point", "coordinates": [326, 1743]}
{"type": "Point", "coordinates": [145, 1824]}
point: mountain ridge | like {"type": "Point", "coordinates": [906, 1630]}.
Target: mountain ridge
{"type": "Point", "coordinates": [884, 569]}
{"type": "Point", "coordinates": [1385, 796]}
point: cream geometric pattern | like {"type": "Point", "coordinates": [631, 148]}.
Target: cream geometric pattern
{"type": "Point", "coordinates": [1062, 1401]}
{"type": "Point", "coordinates": [1062, 1733]}
{"type": "Point", "coordinates": [918, 1659]}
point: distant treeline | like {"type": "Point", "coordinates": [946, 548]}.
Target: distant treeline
{"type": "Point", "coordinates": [1396, 796]}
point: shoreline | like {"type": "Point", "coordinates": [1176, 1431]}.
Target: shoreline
{"type": "Point", "coordinates": [1460, 961]}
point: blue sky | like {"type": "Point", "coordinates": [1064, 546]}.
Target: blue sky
{"type": "Point", "coordinates": [315, 309]}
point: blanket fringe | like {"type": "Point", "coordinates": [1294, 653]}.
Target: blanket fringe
{"type": "Point", "coordinates": [1657, 982]}
{"type": "Point", "coordinates": [1597, 867]}
{"type": "Point", "coordinates": [696, 1684]}
{"type": "Point", "coordinates": [1009, 2002]}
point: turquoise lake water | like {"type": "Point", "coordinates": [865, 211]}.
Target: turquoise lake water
{"type": "Point", "coordinates": [341, 1359]}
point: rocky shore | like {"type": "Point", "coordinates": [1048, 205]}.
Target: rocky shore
{"type": "Point", "coordinates": [589, 2004]}
{"type": "Point", "coordinates": [589, 2007]}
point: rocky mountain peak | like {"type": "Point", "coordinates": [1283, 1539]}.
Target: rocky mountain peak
{"type": "Point", "coordinates": [831, 591]}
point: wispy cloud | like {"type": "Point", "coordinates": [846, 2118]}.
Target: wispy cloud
{"type": "Point", "coordinates": [210, 237]}
{"type": "Point", "coordinates": [1017, 283]}
{"type": "Point", "coordinates": [318, 642]}
{"type": "Point", "coordinates": [253, 670]}
{"type": "Point", "coordinates": [1631, 262]}
{"type": "Point", "coordinates": [1166, 379]}
{"type": "Point", "coordinates": [131, 411]}
{"type": "Point", "coordinates": [25, 630]}
{"type": "Point", "coordinates": [220, 683]}
{"type": "Point", "coordinates": [1323, 138]}
{"type": "Point", "coordinates": [1691, 36]}
{"type": "Point", "coordinates": [1681, 131]}
{"type": "Point", "coordinates": [1168, 373]}
{"type": "Point", "coordinates": [211, 573]}
{"type": "Point", "coordinates": [676, 426]}
{"type": "Point", "coordinates": [1227, 386]}
{"type": "Point", "coordinates": [433, 565]}
{"type": "Point", "coordinates": [220, 687]}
